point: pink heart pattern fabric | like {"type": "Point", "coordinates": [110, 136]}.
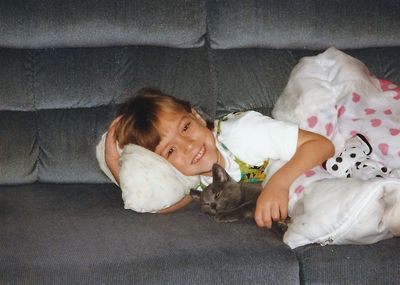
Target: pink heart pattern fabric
{"type": "Point", "coordinates": [335, 95]}
{"type": "Point", "coordinates": [366, 105]}
{"type": "Point", "coordinates": [375, 115]}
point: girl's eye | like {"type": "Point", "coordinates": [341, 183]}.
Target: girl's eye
{"type": "Point", "coordinates": [170, 151]}
{"type": "Point", "coordinates": [186, 127]}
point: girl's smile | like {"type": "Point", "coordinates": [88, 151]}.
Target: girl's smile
{"type": "Point", "coordinates": [199, 155]}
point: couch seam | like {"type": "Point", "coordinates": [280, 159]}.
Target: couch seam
{"type": "Point", "coordinates": [213, 86]}
{"type": "Point", "coordinates": [30, 66]}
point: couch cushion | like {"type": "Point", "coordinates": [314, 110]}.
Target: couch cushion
{"type": "Point", "coordinates": [94, 23]}
{"type": "Point", "coordinates": [303, 24]}
{"type": "Point", "coordinates": [92, 77]}
{"type": "Point", "coordinates": [251, 79]}
{"type": "Point", "coordinates": [254, 78]}
{"type": "Point", "coordinates": [19, 148]}
{"type": "Point", "coordinates": [16, 79]}
{"type": "Point", "coordinates": [63, 100]}
{"type": "Point", "coordinates": [67, 139]}
{"type": "Point", "coordinates": [350, 264]}
{"type": "Point", "coordinates": [73, 234]}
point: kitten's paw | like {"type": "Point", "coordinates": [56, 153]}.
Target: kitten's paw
{"type": "Point", "coordinates": [282, 226]}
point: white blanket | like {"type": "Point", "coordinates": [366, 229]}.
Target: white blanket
{"type": "Point", "coordinates": [335, 95]}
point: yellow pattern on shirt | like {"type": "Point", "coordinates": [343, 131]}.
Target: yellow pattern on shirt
{"type": "Point", "coordinates": [249, 173]}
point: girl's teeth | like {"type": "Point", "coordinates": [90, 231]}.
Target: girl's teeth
{"type": "Point", "coordinates": [199, 155]}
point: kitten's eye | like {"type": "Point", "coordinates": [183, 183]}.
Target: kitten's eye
{"type": "Point", "coordinates": [217, 195]}
{"type": "Point", "coordinates": [186, 127]}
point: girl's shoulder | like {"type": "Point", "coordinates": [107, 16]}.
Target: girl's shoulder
{"type": "Point", "coordinates": [235, 116]}
{"type": "Point", "coordinates": [240, 120]}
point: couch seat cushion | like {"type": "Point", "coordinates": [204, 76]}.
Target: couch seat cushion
{"type": "Point", "coordinates": [351, 264]}
{"type": "Point", "coordinates": [58, 234]}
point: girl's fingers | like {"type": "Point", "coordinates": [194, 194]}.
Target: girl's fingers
{"type": "Point", "coordinates": [263, 219]}
{"type": "Point", "coordinates": [284, 212]}
{"type": "Point", "coordinates": [114, 124]}
{"type": "Point", "coordinates": [259, 217]}
{"type": "Point", "coordinates": [275, 213]}
{"type": "Point", "coordinates": [267, 216]}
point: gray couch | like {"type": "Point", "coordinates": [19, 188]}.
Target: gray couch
{"type": "Point", "coordinates": [64, 68]}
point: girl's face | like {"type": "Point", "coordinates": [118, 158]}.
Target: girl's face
{"type": "Point", "coordinates": [187, 143]}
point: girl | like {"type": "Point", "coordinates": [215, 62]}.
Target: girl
{"type": "Point", "coordinates": [242, 143]}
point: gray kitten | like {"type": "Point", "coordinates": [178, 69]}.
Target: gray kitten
{"type": "Point", "coordinates": [228, 200]}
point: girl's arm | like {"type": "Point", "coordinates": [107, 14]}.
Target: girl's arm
{"type": "Point", "coordinates": [181, 204]}
{"type": "Point", "coordinates": [272, 204]}
{"type": "Point", "coordinates": [111, 153]}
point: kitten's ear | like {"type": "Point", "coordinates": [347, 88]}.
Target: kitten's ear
{"type": "Point", "coordinates": [195, 194]}
{"type": "Point", "coordinates": [219, 173]}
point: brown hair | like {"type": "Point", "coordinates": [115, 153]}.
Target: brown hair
{"type": "Point", "coordinates": [140, 117]}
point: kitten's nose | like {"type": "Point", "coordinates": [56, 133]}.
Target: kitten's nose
{"type": "Point", "coordinates": [213, 206]}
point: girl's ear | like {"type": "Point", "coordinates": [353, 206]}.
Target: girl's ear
{"type": "Point", "coordinates": [198, 117]}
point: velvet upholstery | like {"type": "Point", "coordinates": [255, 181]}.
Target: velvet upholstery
{"type": "Point", "coordinates": [303, 24]}
{"type": "Point", "coordinates": [252, 79]}
{"type": "Point", "coordinates": [66, 66]}
{"type": "Point", "coordinates": [350, 264]}
{"type": "Point", "coordinates": [94, 23]}
{"type": "Point", "coordinates": [67, 97]}
{"type": "Point", "coordinates": [19, 149]}
{"type": "Point", "coordinates": [80, 234]}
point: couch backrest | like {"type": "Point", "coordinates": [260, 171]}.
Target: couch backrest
{"type": "Point", "coordinates": [100, 23]}
{"type": "Point", "coordinates": [311, 24]}
{"type": "Point", "coordinates": [255, 43]}
{"type": "Point", "coordinates": [65, 66]}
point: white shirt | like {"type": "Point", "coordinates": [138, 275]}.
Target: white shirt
{"type": "Point", "coordinates": [253, 138]}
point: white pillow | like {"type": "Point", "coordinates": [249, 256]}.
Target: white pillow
{"type": "Point", "coordinates": [149, 183]}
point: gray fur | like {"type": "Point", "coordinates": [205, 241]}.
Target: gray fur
{"type": "Point", "coordinates": [228, 200]}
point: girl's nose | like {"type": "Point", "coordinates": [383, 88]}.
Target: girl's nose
{"type": "Point", "coordinates": [189, 144]}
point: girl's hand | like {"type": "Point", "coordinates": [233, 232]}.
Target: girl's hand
{"type": "Point", "coordinates": [111, 152]}
{"type": "Point", "coordinates": [179, 205]}
{"type": "Point", "coordinates": [272, 205]}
